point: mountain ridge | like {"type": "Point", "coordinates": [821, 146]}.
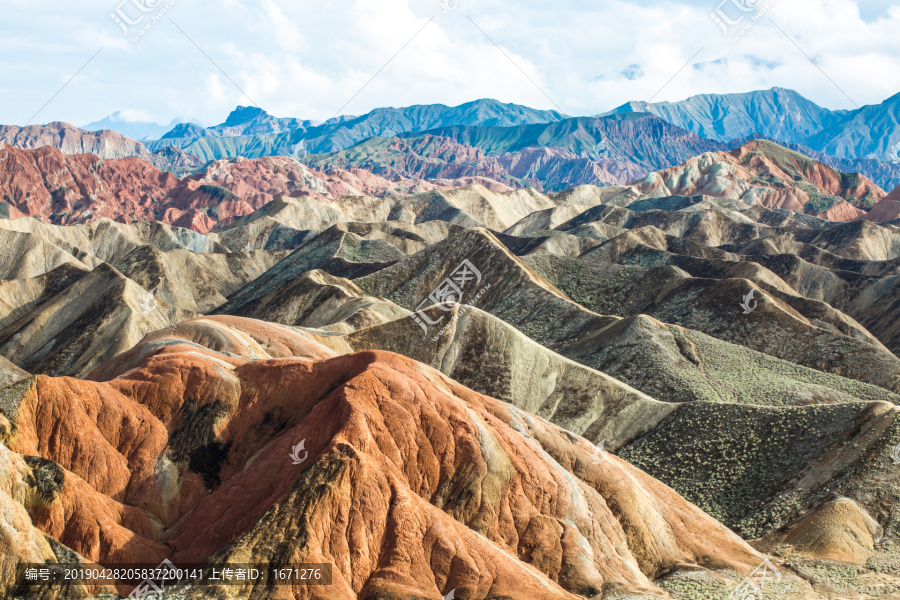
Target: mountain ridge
{"type": "Point", "coordinates": [869, 132]}
{"type": "Point", "coordinates": [565, 393]}
{"type": "Point", "coordinates": [501, 129]}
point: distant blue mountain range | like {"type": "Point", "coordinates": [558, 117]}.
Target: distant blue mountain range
{"type": "Point", "coordinates": [344, 131]}
{"type": "Point", "coordinates": [863, 139]}
{"type": "Point", "coordinates": [784, 115]}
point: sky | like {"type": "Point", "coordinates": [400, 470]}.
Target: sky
{"type": "Point", "coordinates": [67, 61]}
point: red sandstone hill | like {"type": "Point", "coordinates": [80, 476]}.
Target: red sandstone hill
{"type": "Point", "coordinates": [70, 189]}
{"type": "Point", "coordinates": [413, 485]}
{"type": "Point", "coordinates": [430, 157]}
{"type": "Point", "coordinates": [887, 209]}
{"type": "Point", "coordinates": [765, 173]}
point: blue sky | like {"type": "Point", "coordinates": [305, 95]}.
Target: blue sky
{"type": "Point", "coordinates": [308, 58]}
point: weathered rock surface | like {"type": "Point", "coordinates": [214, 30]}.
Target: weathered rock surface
{"type": "Point", "coordinates": [71, 189]}
{"type": "Point", "coordinates": [34, 248]}
{"type": "Point", "coordinates": [20, 540]}
{"type": "Point", "coordinates": [193, 281]}
{"type": "Point", "coordinates": [313, 299]}
{"type": "Point", "coordinates": [438, 487]}
{"type": "Point", "coordinates": [71, 140]}
{"type": "Point", "coordinates": [761, 172]}
{"type": "Point", "coordinates": [613, 314]}
{"type": "Point", "coordinates": [65, 188]}
{"type": "Point", "coordinates": [96, 317]}
{"type": "Point", "coordinates": [837, 530]}
{"type": "Point", "coordinates": [487, 355]}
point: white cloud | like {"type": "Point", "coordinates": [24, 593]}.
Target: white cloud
{"type": "Point", "coordinates": [133, 115]}
{"type": "Point", "coordinates": [306, 59]}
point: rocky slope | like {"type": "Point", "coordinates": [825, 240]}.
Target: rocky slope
{"type": "Point", "coordinates": [174, 160]}
{"type": "Point", "coordinates": [72, 140]}
{"type": "Point", "coordinates": [884, 173]}
{"type": "Point", "coordinates": [413, 464]}
{"type": "Point", "coordinates": [463, 366]}
{"type": "Point", "coordinates": [761, 172]}
{"type": "Point", "coordinates": [705, 353]}
{"type": "Point", "coordinates": [63, 189]}
{"type": "Point", "coordinates": [851, 141]}
{"type": "Point", "coordinates": [887, 209]}
{"type": "Point", "coordinates": [430, 156]}
{"type": "Point", "coordinates": [70, 189]}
